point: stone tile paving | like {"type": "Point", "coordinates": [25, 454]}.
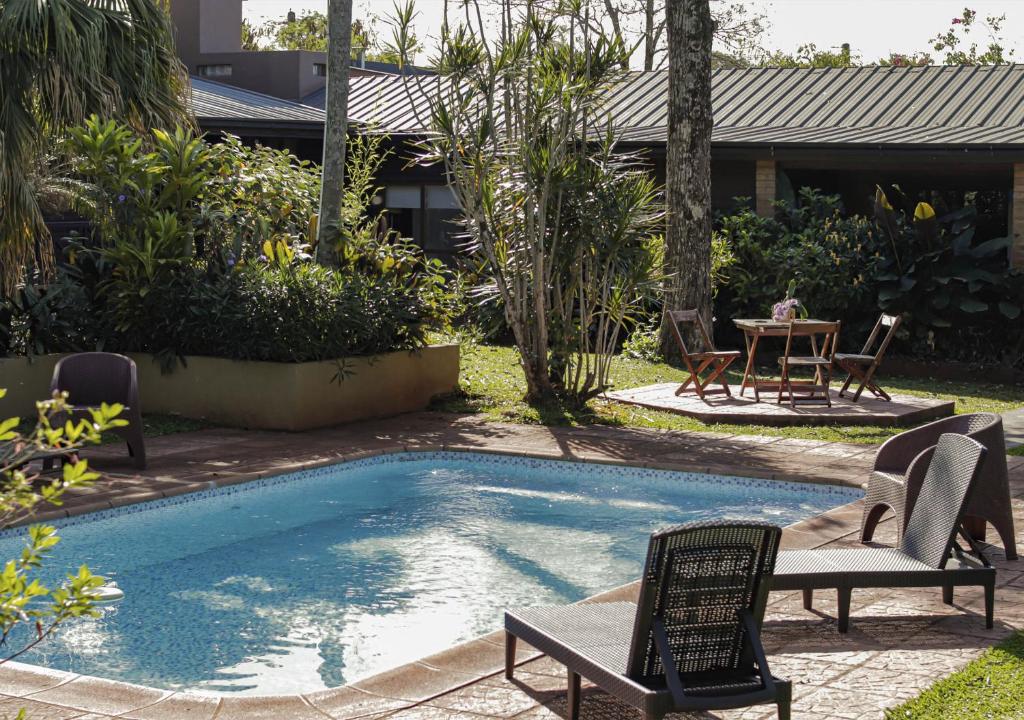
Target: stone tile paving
{"type": "Point", "coordinates": [901, 410]}
{"type": "Point", "coordinates": [1013, 426]}
{"type": "Point", "coordinates": [899, 643]}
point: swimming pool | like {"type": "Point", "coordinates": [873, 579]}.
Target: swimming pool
{"type": "Point", "coordinates": [315, 579]}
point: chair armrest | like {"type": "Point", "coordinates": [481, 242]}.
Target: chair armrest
{"type": "Point", "coordinates": [915, 476]}
{"type": "Point", "coordinates": [898, 452]}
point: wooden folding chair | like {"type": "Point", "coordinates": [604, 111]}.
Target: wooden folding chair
{"type": "Point", "coordinates": [863, 365]}
{"type": "Point", "coordinates": [696, 363]}
{"type": "Point", "coordinates": [812, 391]}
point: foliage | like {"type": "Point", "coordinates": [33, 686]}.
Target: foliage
{"type": "Point", "coordinates": [644, 343]}
{"type": "Point", "coordinates": [809, 56]}
{"type": "Point", "coordinates": [62, 61]}
{"type": "Point", "coordinates": [204, 249]}
{"type": "Point", "coordinates": [957, 295]}
{"type": "Point", "coordinates": [294, 313]}
{"type": "Point", "coordinates": [990, 686]}
{"type": "Point", "coordinates": [954, 290]}
{"type": "Point", "coordinates": [490, 384]}
{"type": "Point", "coordinates": [954, 41]}
{"type": "Point", "coordinates": [308, 31]}
{"type": "Point", "coordinates": [640, 26]}
{"type": "Point", "coordinates": [23, 598]}
{"type": "Point", "coordinates": [46, 317]}
{"type": "Point", "coordinates": [832, 259]}
{"type": "Point", "coordinates": [562, 228]}
{"type": "Point", "coordinates": [226, 199]}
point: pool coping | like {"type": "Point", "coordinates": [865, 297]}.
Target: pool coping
{"type": "Point", "coordinates": [231, 479]}
{"type": "Point", "coordinates": [398, 688]}
{"type": "Point", "coordinates": [404, 686]}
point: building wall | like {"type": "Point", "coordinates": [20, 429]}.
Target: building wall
{"type": "Point", "coordinates": [220, 26]}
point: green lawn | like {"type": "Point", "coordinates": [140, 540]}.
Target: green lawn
{"type": "Point", "coordinates": [492, 384]}
{"type": "Point", "coordinates": [1019, 450]}
{"type": "Point", "coordinates": [991, 687]}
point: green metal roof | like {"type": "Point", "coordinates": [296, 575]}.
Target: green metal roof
{"type": "Point", "coordinates": [936, 106]}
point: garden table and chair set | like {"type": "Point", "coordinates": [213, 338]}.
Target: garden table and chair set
{"type": "Point", "coordinates": [822, 360]}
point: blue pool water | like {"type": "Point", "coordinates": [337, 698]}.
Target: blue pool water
{"type": "Point", "coordinates": [316, 579]}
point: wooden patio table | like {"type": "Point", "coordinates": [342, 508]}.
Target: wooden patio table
{"type": "Point", "coordinates": [753, 331]}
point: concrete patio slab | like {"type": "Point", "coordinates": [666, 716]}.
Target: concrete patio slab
{"type": "Point", "coordinates": [902, 410]}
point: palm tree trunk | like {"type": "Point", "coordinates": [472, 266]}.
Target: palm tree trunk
{"type": "Point", "coordinates": [339, 41]}
{"type": "Point", "coordinates": [688, 163]}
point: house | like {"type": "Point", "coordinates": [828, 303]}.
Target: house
{"type": "Point", "coordinates": [208, 36]}
{"type": "Point", "coordinates": [956, 129]}
{"type": "Point", "coordinates": [952, 129]}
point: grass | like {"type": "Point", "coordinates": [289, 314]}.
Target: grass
{"type": "Point", "coordinates": [492, 384]}
{"type": "Point", "coordinates": [152, 426]}
{"type": "Point", "coordinates": [1019, 451]}
{"type": "Point", "coordinates": [990, 687]}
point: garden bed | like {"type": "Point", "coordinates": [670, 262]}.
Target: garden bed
{"type": "Point", "coordinates": [266, 395]}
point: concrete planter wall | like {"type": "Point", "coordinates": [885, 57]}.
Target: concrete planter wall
{"type": "Point", "coordinates": [266, 395]}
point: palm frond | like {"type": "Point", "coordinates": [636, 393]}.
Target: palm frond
{"type": "Point", "coordinates": [60, 61]}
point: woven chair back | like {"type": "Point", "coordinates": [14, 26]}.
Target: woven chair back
{"type": "Point", "coordinates": [940, 505]}
{"type": "Point", "coordinates": [697, 581]}
{"type": "Point", "coordinates": [95, 377]}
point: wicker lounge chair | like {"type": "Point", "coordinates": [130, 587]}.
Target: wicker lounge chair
{"type": "Point", "coordinates": [95, 377]}
{"type": "Point", "coordinates": [923, 556]}
{"type": "Point", "coordinates": [693, 640]}
{"type": "Point", "coordinates": [902, 461]}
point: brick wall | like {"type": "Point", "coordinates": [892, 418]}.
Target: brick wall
{"type": "Point", "coordinates": [1017, 217]}
{"type": "Point", "coordinates": [764, 188]}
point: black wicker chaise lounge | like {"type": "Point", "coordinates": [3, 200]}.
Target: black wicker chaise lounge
{"type": "Point", "coordinates": [692, 642]}
{"type": "Point", "coordinates": [923, 556]}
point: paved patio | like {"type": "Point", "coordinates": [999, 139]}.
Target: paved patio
{"type": "Point", "coordinates": [899, 643]}
{"type": "Point", "coordinates": [903, 410]}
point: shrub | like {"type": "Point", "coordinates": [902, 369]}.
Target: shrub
{"type": "Point", "coordinates": [832, 259]}
{"type": "Point", "coordinates": [957, 295]}
{"type": "Point", "coordinates": [202, 250]}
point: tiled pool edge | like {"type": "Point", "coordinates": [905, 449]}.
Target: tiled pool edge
{"type": "Point", "coordinates": [436, 675]}
{"type": "Point", "coordinates": [99, 696]}
{"type": "Point", "coordinates": [231, 479]}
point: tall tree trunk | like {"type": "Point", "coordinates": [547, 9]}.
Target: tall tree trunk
{"type": "Point", "coordinates": [688, 163]}
{"type": "Point", "coordinates": [339, 42]}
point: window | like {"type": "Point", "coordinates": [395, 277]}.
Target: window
{"type": "Point", "coordinates": [402, 196]}
{"type": "Point", "coordinates": [320, 69]}
{"type": "Point", "coordinates": [442, 232]}
{"type": "Point", "coordinates": [214, 70]}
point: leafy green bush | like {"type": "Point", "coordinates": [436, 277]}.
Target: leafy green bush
{"type": "Point", "coordinates": [202, 249]}
{"type": "Point", "coordinates": [260, 311]}
{"type": "Point", "coordinates": [832, 259]}
{"type": "Point", "coordinates": [957, 295]}
{"type": "Point", "coordinates": [954, 289]}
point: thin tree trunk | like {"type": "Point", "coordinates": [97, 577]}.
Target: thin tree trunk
{"type": "Point", "coordinates": [339, 41]}
{"type": "Point", "coordinates": [650, 38]}
{"type": "Point", "coordinates": [688, 164]}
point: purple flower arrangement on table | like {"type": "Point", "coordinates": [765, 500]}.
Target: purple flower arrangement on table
{"type": "Point", "coordinates": [788, 308]}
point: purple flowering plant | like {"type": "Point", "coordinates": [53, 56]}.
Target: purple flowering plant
{"type": "Point", "coordinates": [788, 306]}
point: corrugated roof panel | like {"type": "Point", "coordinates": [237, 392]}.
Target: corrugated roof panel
{"type": "Point", "coordinates": [217, 101]}
{"type": "Point", "coordinates": [936, 105]}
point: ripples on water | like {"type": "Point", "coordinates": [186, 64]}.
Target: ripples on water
{"type": "Point", "coordinates": [304, 585]}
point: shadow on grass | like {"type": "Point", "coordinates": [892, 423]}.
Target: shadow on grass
{"type": "Point", "coordinates": [558, 412]}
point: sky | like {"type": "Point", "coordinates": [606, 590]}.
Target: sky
{"type": "Point", "coordinates": [874, 28]}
